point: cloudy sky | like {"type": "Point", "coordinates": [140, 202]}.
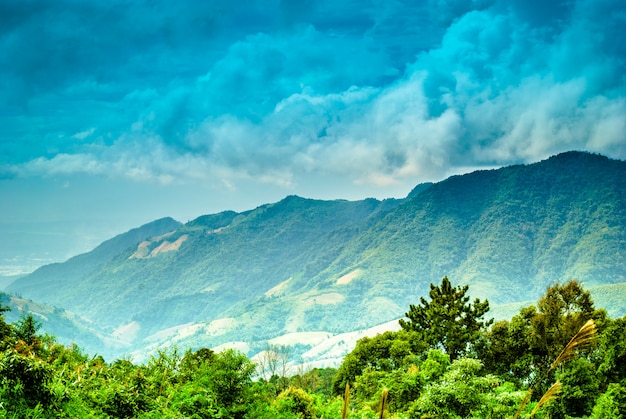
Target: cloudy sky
{"type": "Point", "coordinates": [115, 113]}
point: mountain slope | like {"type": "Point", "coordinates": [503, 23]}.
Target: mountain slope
{"type": "Point", "coordinates": [214, 264]}
{"type": "Point", "coordinates": [336, 266]}
{"type": "Point", "coordinates": [66, 327]}
{"type": "Point", "coordinates": [508, 233]}
{"type": "Point", "coordinates": [57, 278]}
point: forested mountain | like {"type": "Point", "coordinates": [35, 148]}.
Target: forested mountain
{"type": "Point", "coordinates": [302, 265]}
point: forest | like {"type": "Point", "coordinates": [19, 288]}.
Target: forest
{"type": "Point", "coordinates": [560, 358]}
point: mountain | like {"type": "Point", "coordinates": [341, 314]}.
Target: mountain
{"type": "Point", "coordinates": [301, 265]}
{"type": "Point", "coordinates": [66, 327]}
{"type": "Point", "coordinates": [57, 277]}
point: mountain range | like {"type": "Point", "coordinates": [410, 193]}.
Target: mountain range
{"type": "Point", "coordinates": [306, 272]}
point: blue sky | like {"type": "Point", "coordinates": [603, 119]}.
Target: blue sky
{"type": "Point", "coordinates": [115, 113]}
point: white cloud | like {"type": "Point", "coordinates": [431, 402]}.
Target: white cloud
{"type": "Point", "coordinates": [84, 134]}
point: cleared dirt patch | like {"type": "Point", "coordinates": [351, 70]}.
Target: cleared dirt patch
{"type": "Point", "coordinates": [303, 338]}
{"type": "Point", "coordinates": [221, 326]}
{"type": "Point", "coordinates": [278, 289]}
{"type": "Point", "coordinates": [143, 250]}
{"type": "Point", "coordinates": [347, 278]}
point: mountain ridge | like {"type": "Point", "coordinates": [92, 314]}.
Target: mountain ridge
{"type": "Point", "coordinates": [337, 266]}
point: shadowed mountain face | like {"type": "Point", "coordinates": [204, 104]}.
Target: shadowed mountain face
{"type": "Point", "coordinates": [335, 266]}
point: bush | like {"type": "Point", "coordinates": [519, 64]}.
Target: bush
{"type": "Point", "coordinates": [296, 401]}
{"type": "Point", "coordinates": [612, 404]}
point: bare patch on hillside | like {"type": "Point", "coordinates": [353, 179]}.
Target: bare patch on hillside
{"type": "Point", "coordinates": [278, 289]}
{"type": "Point", "coordinates": [176, 333]}
{"type": "Point", "coordinates": [216, 230]}
{"type": "Point", "coordinates": [303, 338]}
{"type": "Point", "coordinates": [167, 333]}
{"type": "Point", "coordinates": [238, 346]}
{"type": "Point", "coordinates": [169, 247]}
{"type": "Point", "coordinates": [347, 278]}
{"type": "Point", "coordinates": [221, 326]}
{"type": "Point", "coordinates": [296, 320]}
{"type": "Point", "coordinates": [330, 352]}
{"type": "Point", "coordinates": [144, 251]}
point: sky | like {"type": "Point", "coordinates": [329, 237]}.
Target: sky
{"type": "Point", "coordinates": [115, 113]}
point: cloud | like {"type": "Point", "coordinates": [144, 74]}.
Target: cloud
{"type": "Point", "coordinates": [374, 92]}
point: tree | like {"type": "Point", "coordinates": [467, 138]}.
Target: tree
{"type": "Point", "coordinates": [273, 365]}
{"type": "Point", "coordinates": [448, 321]}
{"type": "Point", "coordinates": [296, 402]}
{"type": "Point", "coordinates": [5, 329]}
{"type": "Point", "coordinates": [612, 345]}
{"type": "Point", "coordinates": [26, 329]}
{"type": "Point", "coordinates": [612, 404]}
{"type": "Point", "coordinates": [384, 352]}
{"type": "Point", "coordinates": [560, 314]}
{"type": "Point", "coordinates": [463, 392]}
{"type": "Point", "coordinates": [229, 377]}
{"type": "Point", "coordinates": [529, 348]}
{"type": "Point", "coordinates": [504, 348]}
{"type": "Point", "coordinates": [580, 388]}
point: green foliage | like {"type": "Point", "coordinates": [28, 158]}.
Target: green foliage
{"type": "Point", "coordinates": [24, 380]}
{"type": "Point", "coordinates": [384, 352]}
{"type": "Point", "coordinates": [505, 349]}
{"type": "Point", "coordinates": [40, 378]}
{"type": "Point", "coordinates": [611, 404]}
{"type": "Point", "coordinates": [464, 392]}
{"type": "Point", "coordinates": [230, 376]}
{"type": "Point", "coordinates": [523, 348]}
{"type": "Point", "coordinates": [316, 381]}
{"type": "Point", "coordinates": [296, 402]}
{"type": "Point", "coordinates": [26, 329]}
{"type": "Point", "coordinates": [435, 365]}
{"type": "Point", "coordinates": [448, 320]}
{"type": "Point", "coordinates": [561, 313]}
{"type": "Point", "coordinates": [194, 401]}
{"type": "Point", "coordinates": [580, 388]}
{"type": "Point", "coordinates": [5, 329]}
{"type": "Point", "coordinates": [612, 349]}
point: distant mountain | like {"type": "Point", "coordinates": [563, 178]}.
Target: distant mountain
{"type": "Point", "coordinates": [302, 265]}
{"type": "Point", "coordinates": [6, 280]}
{"type": "Point", "coordinates": [52, 279]}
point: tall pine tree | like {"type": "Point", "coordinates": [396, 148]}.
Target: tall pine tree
{"type": "Point", "coordinates": [448, 321]}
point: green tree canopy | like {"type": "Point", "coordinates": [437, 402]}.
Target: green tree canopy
{"type": "Point", "coordinates": [560, 313]}
{"type": "Point", "coordinates": [384, 352]}
{"type": "Point", "coordinates": [448, 321]}
{"type": "Point", "coordinates": [5, 329]}
{"type": "Point", "coordinates": [26, 329]}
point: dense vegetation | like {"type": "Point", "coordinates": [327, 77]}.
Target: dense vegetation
{"type": "Point", "coordinates": [500, 370]}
